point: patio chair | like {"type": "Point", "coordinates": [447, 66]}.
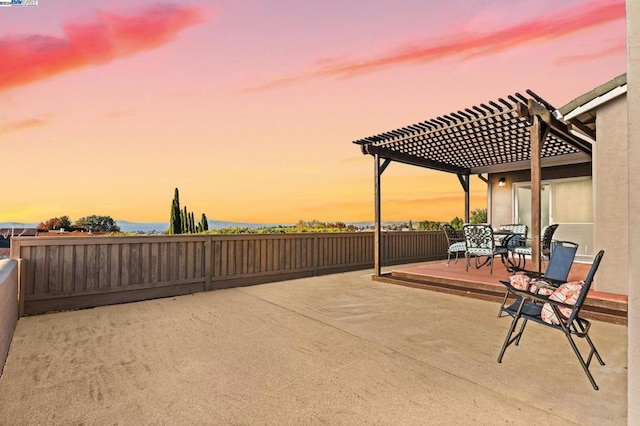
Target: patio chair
{"type": "Point", "coordinates": [556, 273]}
{"type": "Point", "coordinates": [545, 247]}
{"type": "Point", "coordinates": [479, 241]}
{"type": "Point", "coordinates": [517, 238]}
{"type": "Point", "coordinates": [454, 241]}
{"type": "Point", "coordinates": [559, 311]}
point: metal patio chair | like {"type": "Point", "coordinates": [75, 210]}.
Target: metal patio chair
{"type": "Point", "coordinates": [567, 318]}
{"type": "Point", "coordinates": [517, 238]}
{"type": "Point", "coordinates": [480, 243]}
{"type": "Point", "coordinates": [454, 241]}
{"type": "Point", "coordinates": [545, 247]}
{"type": "Point", "coordinates": [557, 271]}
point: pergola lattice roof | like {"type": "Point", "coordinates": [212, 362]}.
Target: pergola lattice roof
{"type": "Point", "coordinates": [476, 138]}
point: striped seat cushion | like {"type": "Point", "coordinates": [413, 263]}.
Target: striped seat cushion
{"type": "Point", "coordinates": [456, 247]}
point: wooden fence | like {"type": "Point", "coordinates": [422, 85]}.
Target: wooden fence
{"type": "Point", "coordinates": [62, 273]}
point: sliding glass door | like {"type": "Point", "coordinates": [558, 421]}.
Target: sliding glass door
{"type": "Point", "coordinates": [522, 193]}
{"type": "Point", "coordinates": [567, 202]}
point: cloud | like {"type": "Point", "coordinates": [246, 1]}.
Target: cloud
{"type": "Point", "coordinates": [619, 49]}
{"type": "Point", "coordinates": [34, 57]}
{"type": "Point", "coordinates": [541, 29]}
{"type": "Point", "coordinates": [17, 126]}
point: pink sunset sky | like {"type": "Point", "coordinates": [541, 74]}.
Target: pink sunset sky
{"type": "Point", "coordinates": [250, 107]}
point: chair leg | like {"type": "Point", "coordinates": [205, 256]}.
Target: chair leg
{"type": "Point", "coordinates": [510, 338]}
{"type": "Point", "coordinates": [584, 332]}
{"type": "Point", "coordinates": [449, 257]}
{"type": "Point", "coordinates": [504, 302]}
{"type": "Point", "coordinates": [583, 363]}
{"type": "Point", "coordinates": [524, 323]}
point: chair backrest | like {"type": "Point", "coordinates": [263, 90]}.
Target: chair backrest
{"type": "Point", "coordinates": [547, 237]}
{"type": "Point", "coordinates": [478, 238]}
{"type": "Point", "coordinates": [561, 260]}
{"type": "Point", "coordinates": [586, 286]}
{"type": "Point", "coordinates": [451, 233]}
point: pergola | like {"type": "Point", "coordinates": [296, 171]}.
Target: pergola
{"type": "Point", "coordinates": [513, 133]}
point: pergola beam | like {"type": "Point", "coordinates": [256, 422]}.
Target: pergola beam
{"type": "Point", "coordinates": [556, 127]}
{"type": "Point", "coordinates": [413, 160]}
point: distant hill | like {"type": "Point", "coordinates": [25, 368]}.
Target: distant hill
{"type": "Point", "coordinates": [17, 225]}
{"type": "Point", "coordinates": [160, 227]}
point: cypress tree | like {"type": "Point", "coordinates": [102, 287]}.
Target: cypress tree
{"type": "Point", "coordinates": [184, 220]}
{"type": "Point", "coordinates": [175, 224]}
{"type": "Point", "coordinates": [204, 223]}
{"type": "Point", "coordinates": [172, 218]}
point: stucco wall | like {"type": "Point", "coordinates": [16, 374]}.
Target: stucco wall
{"type": "Point", "coordinates": [8, 305]}
{"type": "Point", "coordinates": [611, 188]}
{"type": "Point", "coordinates": [633, 235]}
{"type": "Point", "coordinates": [502, 198]}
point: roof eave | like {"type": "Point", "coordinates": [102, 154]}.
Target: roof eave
{"type": "Point", "coordinates": [591, 95]}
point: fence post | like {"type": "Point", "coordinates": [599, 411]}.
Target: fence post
{"type": "Point", "coordinates": [208, 262]}
{"type": "Point", "coordinates": [316, 255]}
{"type": "Point", "coordinates": [14, 248]}
{"type": "Point", "coordinates": [22, 263]}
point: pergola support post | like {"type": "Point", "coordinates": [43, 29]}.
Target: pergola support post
{"type": "Point", "coordinates": [377, 239]}
{"type": "Point", "coordinates": [464, 181]}
{"type": "Point", "coordinates": [538, 130]}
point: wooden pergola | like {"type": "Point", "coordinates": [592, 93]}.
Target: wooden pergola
{"type": "Point", "coordinates": [513, 133]}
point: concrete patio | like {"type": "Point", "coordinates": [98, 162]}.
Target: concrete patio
{"type": "Point", "coordinates": [335, 349]}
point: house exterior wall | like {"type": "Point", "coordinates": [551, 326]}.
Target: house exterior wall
{"type": "Point", "coordinates": [502, 198]}
{"type": "Point", "coordinates": [611, 188]}
{"type": "Point", "coordinates": [633, 228]}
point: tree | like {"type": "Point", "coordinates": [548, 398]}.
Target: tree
{"type": "Point", "coordinates": [175, 222]}
{"type": "Point", "coordinates": [478, 216]}
{"type": "Point", "coordinates": [457, 223]}
{"type": "Point", "coordinates": [428, 225]}
{"type": "Point", "coordinates": [204, 223]}
{"type": "Point", "coordinates": [182, 221]}
{"type": "Point", "coordinates": [56, 223]}
{"type": "Point", "coordinates": [95, 223]}
{"type": "Point", "coordinates": [410, 225]}
{"type": "Point", "coordinates": [191, 225]}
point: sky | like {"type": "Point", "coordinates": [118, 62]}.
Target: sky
{"type": "Point", "coordinates": [250, 107]}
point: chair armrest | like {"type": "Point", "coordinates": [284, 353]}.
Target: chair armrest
{"type": "Point", "coordinates": [539, 298]}
{"type": "Point", "coordinates": [540, 275]}
{"type": "Point", "coordinates": [526, 294]}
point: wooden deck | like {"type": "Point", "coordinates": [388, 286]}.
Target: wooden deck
{"type": "Point", "coordinates": [479, 283]}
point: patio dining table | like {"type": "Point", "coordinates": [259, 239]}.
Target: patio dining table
{"type": "Point", "coordinates": [508, 234]}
